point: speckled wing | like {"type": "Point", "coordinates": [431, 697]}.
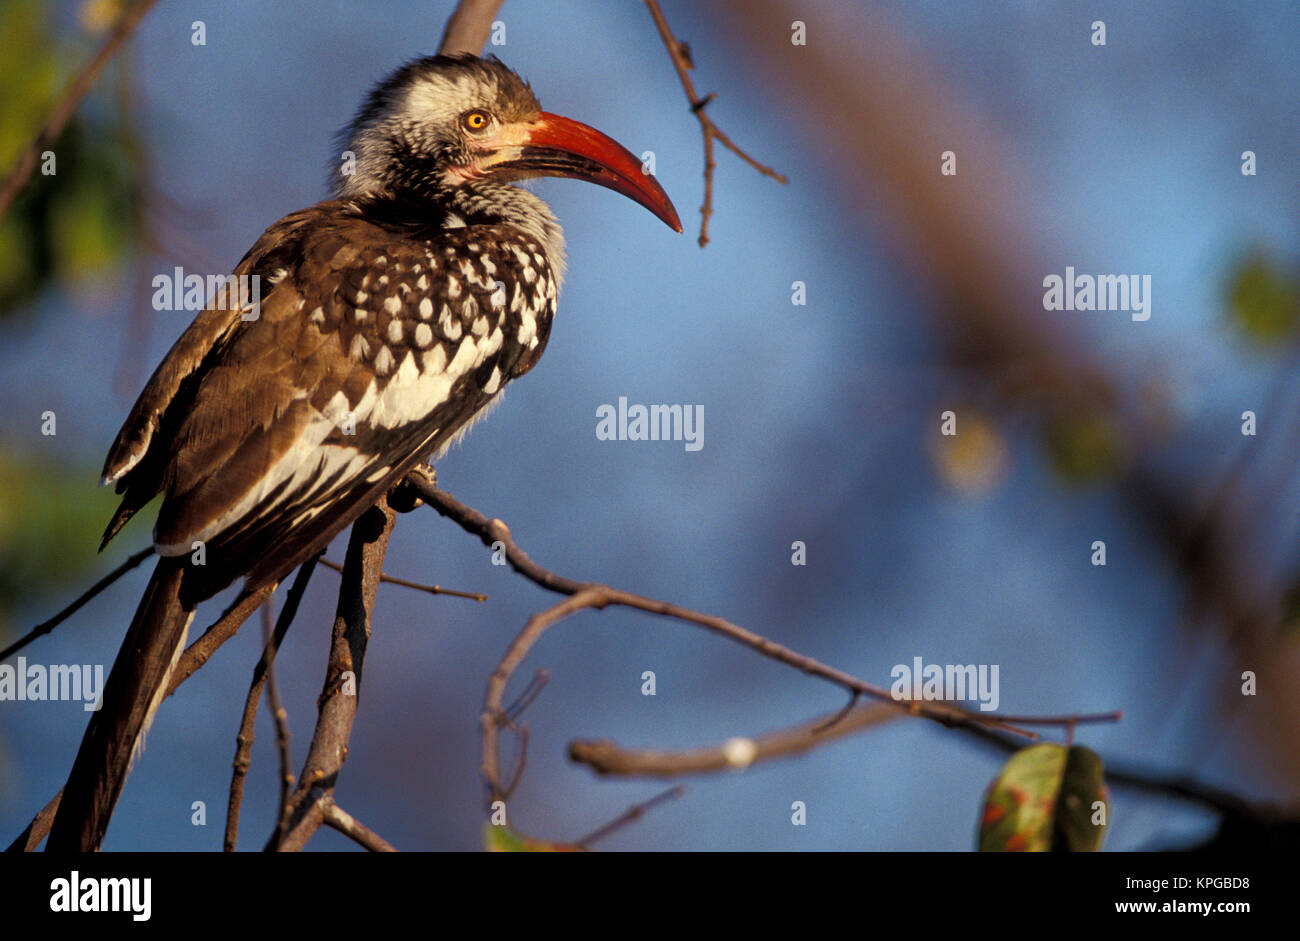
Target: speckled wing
{"type": "Point", "coordinates": [376, 345]}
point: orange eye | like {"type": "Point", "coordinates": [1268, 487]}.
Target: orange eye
{"type": "Point", "coordinates": [475, 120]}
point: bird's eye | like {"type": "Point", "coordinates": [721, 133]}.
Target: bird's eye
{"type": "Point", "coordinates": [475, 121]}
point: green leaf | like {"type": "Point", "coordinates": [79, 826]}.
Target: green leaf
{"type": "Point", "coordinates": [504, 840]}
{"type": "Point", "coordinates": [87, 229]}
{"type": "Point", "coordinates": [1083, 448]}
{"type": "Point", "coordinates": [1264, 302]}
{"type": "Point", "coordinates": [1046, 798]}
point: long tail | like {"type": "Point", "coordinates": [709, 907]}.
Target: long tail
{"type": "Point", "coordinates": [136, 687]}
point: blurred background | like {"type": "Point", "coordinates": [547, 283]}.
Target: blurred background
{"type": "Point", "coordinates": [821, 420]}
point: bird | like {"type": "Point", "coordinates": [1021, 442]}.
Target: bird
{"type": "Point", "coordinates": [388, 320]}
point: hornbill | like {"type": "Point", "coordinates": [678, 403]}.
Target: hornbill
{"type": "Point", "coordinates": [390, 319]}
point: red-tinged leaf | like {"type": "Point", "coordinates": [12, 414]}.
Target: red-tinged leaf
{"type": "Point", "coordinates": [1048, 797]}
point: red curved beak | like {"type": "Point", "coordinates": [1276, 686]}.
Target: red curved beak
{"type": "Point", "coordinates": [553, 145]}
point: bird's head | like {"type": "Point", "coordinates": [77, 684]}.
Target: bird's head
{"type": "Point", "coordinates": [447, 123]}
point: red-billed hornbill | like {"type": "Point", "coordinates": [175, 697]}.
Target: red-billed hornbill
{"type": "Point", "coordinates": [391, 318]}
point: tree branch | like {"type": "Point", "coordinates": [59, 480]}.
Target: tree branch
{"type": "Point", "coordinates": [335, 816]}
{"type": "Point", "coordinates": [29, 839]}
{"type": "Point", "coordinates": [679, 52]}
{"type": "Point", "coordinates": [635, 812]}
{"type": "Point", "coordinates": [220, 631]}
{"type": "Point", "coordinates": [469, 27]}
{"type": "Point", "coordinates": [429, 589]}
{"type": "Point", "coordinates": [261, 673]}
{"type": "Point", "coordinates": [608, 758]}
{"type": "Point", "coordinates": [67, 104]}
{"type": "Point", "coordinates": [279, 716]}
{"type": "Point", "coordinates": [305, 810]}
{"type": "Point", "coordinates": [45, 627]}
{"type": "Point", "coordinates": [422, 481]}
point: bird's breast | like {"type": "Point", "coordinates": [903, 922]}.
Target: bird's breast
{"type": "Point", "coordinates": [434, 322]}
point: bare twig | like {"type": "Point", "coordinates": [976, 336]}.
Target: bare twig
{"type": "Point", "coordinates": [469, 26]}
{"type": "Point", "coordinates": [635, 812]}
{"type": "Point", "coordinates": [244, 739]}
{"type": "Point", "coordinates": [680, 54]}
{"type": "Point", "coordinates": [280, 717]}
{"type": "Point", "coordinates": [529, 695]}
{"type": "Point", "coordinates": [509, 720]}
{"type": "Point", "coordinates": [36, 831]}
{"type": "Point", "coordinates": [1067, 721]}
{"type": "Point", "coordinates": [220, 631]}
{"type": "Point", "coordinates": [338, 818]}
{"type": "Point", "coordinates": [67, 104]}
{"type": "Point", "coordinates": [839, 716]}
{"type": "Point", "coordinates": [605, 757]}
{"type": "Point", "coordinates": [46, 626]}
{"type": "Point", "coordinates": [507, 791]}
{"type": "Point", "coordinates": [489, 531]}
{"type": "Point", "coordinates": [418, 586]}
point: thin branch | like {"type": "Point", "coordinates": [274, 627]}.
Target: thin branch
{"type": "Point", "coordinates": [507, 791]}
{"type": "Point", "coordinates": [280, 717]}
{"type": "Point", "coordinates": [68, 102]}
{"type": "Point", "coordinates": [244, 739]}
{"type": "Point", "coordinates": [45, 627]}
{"type": "Point", "coordinates": [305, 809]}
{"type": "Point", "coordinates": [469, 26]}
{"type": "Point", "coordinates": [605, 757]}
{"type": "Point", "coordinates": [679, 52]}
{"type": "Point", "coordinates": [529, 695]}
{"type": "Point", "coordinates": [292, 834]}
{"type": "Point", "coordinates": [338, 818]}
{"type": "Point", "coordinates": [36, 831]}
{"type": "Point", "coordinates": [838, 717]}
{"type": "Point", "coordinates": [509, 720]}
{"type": "Point", "coordinates": [635, 812]}
{"type": "Point", "coordinates": [418, 586]}
{"type": "Point", "coordinates": [220, 631]}
{"type": "Point", "coordinates": [1067, 720]}
{"type": "Point", "coordinates": [422, 481]}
